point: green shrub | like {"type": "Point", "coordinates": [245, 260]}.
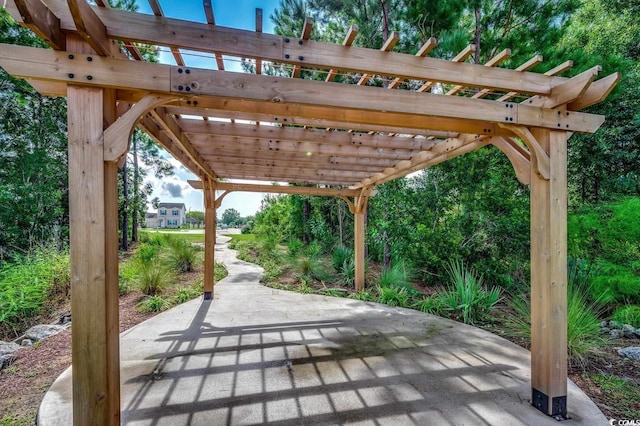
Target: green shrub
{"type": "Point", "coordinates": [627, 315]}
{"type": "Point", "coordinates": [294, 246]}
{"type": "Point", "coordinates": [465, 298]}
{"type": "Point", "coordinates": [153, 278]}
{"type": "Point", "coordinates": [146, 253]}
{"type": "Point", "coordinates": [339, 255]}
{"type": "Point", "coordinates": [186, 294]}
{"type": "Point", "coordinates": [364, 295]}
{"type": "Point", "coordinates": [393, 296]}
{"type": "Point", "coordinates": [430, 305]}
{"type": "Point", "coordinates": [152, 304]}
{"type": "Point", "coordinates": [314, 249]}
{"type": "Point", "coordinates": [398, 275]}
{"type": "Point", "coordinates": [28, 283]}
{"type": "Point", "coordinates": [334, 292]}
{"type": "Point", "coordinates": [347, 272]}
{"type": "Point", "coordinates": [182, 255]}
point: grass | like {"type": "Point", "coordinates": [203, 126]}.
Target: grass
{"type": "Point", "coordinates": [181, 233]}
{"type": "Point", "coordinates": [618, 392]}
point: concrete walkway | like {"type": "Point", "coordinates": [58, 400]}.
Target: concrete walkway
{"type": "Point", "coordinates": [256, 355]}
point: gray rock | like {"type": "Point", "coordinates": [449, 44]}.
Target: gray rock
{"type": "Point", "coordinates": [26, 342]}
{"type": "Point", "coordinates": [7, 348]}
{"type": "Point", "coordinates": [7, 356]}
{"type": "Point", "coordinates": [604, 324]}
{"type": "Point", "coordinates": [614, 334]}
{"type": "Point", "coordinates": [614, 324]}
{"type": "Point", "coordinates": [42, 331]}
{"type": "Point", "coordinates": [627, 331]}
{"type": "Point", "coordinates": [632, 352]}
{"type": "Point", "coordinates": [605, 330]}
{"type": "Point", "coordinates": [637, 332]}
{"type": "Point", "coordinates": [6, 360]}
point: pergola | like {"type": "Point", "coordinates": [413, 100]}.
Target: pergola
{"type": "Point", "coordinates": [344, 139]}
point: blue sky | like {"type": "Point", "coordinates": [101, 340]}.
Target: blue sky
{"type": "Point", "coordinates": [237, 14]}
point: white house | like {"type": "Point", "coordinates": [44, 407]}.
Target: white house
{"type": "Point", "coordinates": [170, 215]}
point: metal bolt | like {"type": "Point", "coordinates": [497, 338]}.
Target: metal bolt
{"type": "Point", "coordinates": [286, 40]}
{"type": "Point", "coordinates": [300, 42]}
{"type": "Point", "coordinates": [179, 70]}
{"type": "Point", "coordinates": [180, 87]}
{"type": "Point", "coordinates": [188, 102]}
{"type": "Point", "coordinates": [301, 58]}
{"type": "Point", "coordinates": [195, 102]}
{"type": "Point", "coordinates": [71, 75]}
{"type": "Point", "coordinates": [89, 78]}
{"type": "Point", "coordinates": [511, 106]}
{"type": "Point", "coordinates": [559, 125]}
{"type": "Point", "coordinates": [287, 56]}
{"type": "Point", "coordinates": [188, 89]}
{"type": "Point", "coordinates": [510, 118]}
{"type": "Point", "coordinates": [559, 113]}
{"type": "Point", "coordinates": [71, 56]}
{"type": "Point", "coordinates": [187, 71]}
{"type": "Point", "coordinates": [89, 59]}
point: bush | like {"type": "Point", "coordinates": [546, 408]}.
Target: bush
{"type": "Point", "coordinates": [628, 315]}
{"type": "Point", "coordinates": [294, 246]}
{"type": "Point", "coordinates": [430, 305]}
{"type": "Point", "coordinates": [153, 278]}
{"type": "Point", "coordinates": [465, 298]}
{"type": "Point", "coordinates": [364, 295]}
{"type": "Point", "coordinates": [185, 294]}
{"type": "Point", "coordinates": [182, 254]}
{"type": "Point", "coordinates": [310, 267]}
{"type": "Point", "coordinates": [398, 275]}
{"type": "Point", "coordinates": [146, 253]}
{"type": "Point", "coordinates": [152, 304]}
{"type": "Point", "coordinates": [339, 255]}
{"type": "Point", "coordinates": [393, 296]}
{"type": "Point", "coordinates": [348, 272]}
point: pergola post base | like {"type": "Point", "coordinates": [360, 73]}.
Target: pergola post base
{"type": "Point", "coordinates": [557, 407]}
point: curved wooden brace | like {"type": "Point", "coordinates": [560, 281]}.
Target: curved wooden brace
{"type": "Point", "coordinates": [519, 157]}
{"type": "Point", "coordinates": [539, 157]}
{"type": "Point", "coordinates": [352, 207]}
{"type": "Point", "coordinates": [117, 136]}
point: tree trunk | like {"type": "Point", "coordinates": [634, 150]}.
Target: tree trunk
{"type": "Point", "coordinates": [477, 36]}
{"type": "Point", "coordinates": [306, 211]}
{"type": "Point", "coordinates": [136, 190]}
{"type": "Point", "coordinates": [385, 19]}
{"type": "Point", "coordinates": [125, 207]}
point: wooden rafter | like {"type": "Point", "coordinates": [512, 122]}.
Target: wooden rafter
{"type": "Point", "coordinates": [306, 33]}
{"type": "Point", "coordinates": [460, 57]}
{"type": "Point", "coordinates": [348, 41]}
{"type": "Point", "coordinates": [39, 19]}
{"type": "Point", "coordinates": [90, 27]}
{"type": "Point", "coordinates": [157, 11]}
{"type": "Point", "coordinates": [389, 44]}
{"type": "Point", "coordinates": [427, 47]}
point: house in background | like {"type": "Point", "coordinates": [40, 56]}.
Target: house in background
{"type": "Point", "coordinates": [170, 215]}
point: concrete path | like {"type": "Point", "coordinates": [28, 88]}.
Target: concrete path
{"type": "Point", "coordinates": [256, 355]}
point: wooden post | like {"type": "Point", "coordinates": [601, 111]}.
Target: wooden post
{"type": "Point", "coordinates": [93, 217]}
{"type": "Point", "coordinates": [358, 220]}
{"type": "Point", "coordinates": [549, 278]}
{"type": "Point", "coordinates": [209, 238]}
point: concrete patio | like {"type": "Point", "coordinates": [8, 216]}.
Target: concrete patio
{"type": "Point", "coordinates": [256, 355]}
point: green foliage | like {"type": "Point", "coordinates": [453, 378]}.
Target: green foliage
{"type": "Point", "coordinates": [334, 292]}
{"type": "Point", "coordinates": [628, 315]}
{"type": "Point", "coordinates": [363, 295]}
{"type": "Point", "coordinates": [182, 255]}
{"type": "Point", "coordinates": [153, 277]}
{"type": "Point", "coordinates": [608, 237]}
{"type": "Point", "coordinates": [231, 217]}
{"type": "Point", "coordinates": [398, 275]}
{"type": "Point", "coordinates": [465, 298]}
{"type": "Point", "coordinates": [618, 392]}
{"type": "Point", "coordinates": [430, 305]}
{"type": "Point", "coordinates": [339, 256]}
{"type": "Point", "coordinates": [185, 294]}
{"type": "Point", "coordinates": [146, 253]}
{"type": "Point", "coordinates": [294, 246]}
{"type": "Point", "coordinates": [393, 296]}
{"type": "Point", "coordinates": [153, 304]}
{"type": "Point", "coordinates": [27, 284]}
{"type": "Point", "coordinates": [347, 272]}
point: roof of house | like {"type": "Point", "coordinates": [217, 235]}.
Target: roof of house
{"type": "Point", "coordinates": [172, 205]}
{"type": "Point", "coordinates": [152, 215]}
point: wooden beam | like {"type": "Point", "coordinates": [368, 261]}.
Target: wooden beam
{"type": "Point", "coordinates": [259, 30]}
{"type": "Point", "coordinates": [493, 62]}
{"type": "Point", "coordinates": [386, 47]}
{"type": "Point", "coordinates": [348, 41]}
{"type": "Point", "coordinates": [310, 122]}
{"type": "Point", "coordinates": [190, 126]}
{"type": "Point", "coordinates": [303, 161]}
{"type": "Point", "coordinates": [130, 26]}
{"type": "Point", "coordinates": [566, 92]}
{"type": "Point", "coordinates": [560, 68]}
{"type": "Point", "coordinates": [169, 124]}
{"type": "Point", "coordinates": [300, 172]}
{"type": "Point", "coordinates": [208, 12]}
{"type": "Point", "coordinates": [549, 279]}
{"type": "Point", "coordinates": [427, 47]}
{"type": "Point", "coordinates": [520, 161]}
{"type": "Point", "coordinates": [90, 27]}
{"type": "Point", "coordinates": [205, 142]}
{"type": "Point", "coordinates": [277, 189]}
{"type": "Point", "coordinates": [306, 33]}
{"type": "Point", "coordinates": [596, 93]}
{"type": "Point", "coordinates": [439, 153]}
{"type": "Point", "coordinates": [523, 67]}
{"type": "Point", "coordinates": [45, 24]}
{"type": "Point", "coordinates": [157, 11]}
{"type": "Point", "coordinates": [209, 239]}
{"type": "Point", "coordinates": [459, 58]}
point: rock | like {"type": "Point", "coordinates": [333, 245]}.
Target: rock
{"type": "Point", "coordinates": [604, 324]}
{"type": "Point", "coordinates": [605, 330]}
{"type": "Point", "coordinates": [614, 334]}
{"type": "Point", "coordinates": [65, 319]}
{"type": "Point", "coordinates": [6, 360]}
{"type": "Point", "coordinates": [26, 342]}
{"type": "Point", "coordinates": [614, 324]}
{"type": "Point", "coordinates": [42, 331]}
{"type": "Point", "coordinates": [632, 352]}
{"type": "Point", "coordinates": [637, 332]}
{"type": "Point", "coordinates": [7, 356]}
{"type": "Point", "coordinates": [627, 331]}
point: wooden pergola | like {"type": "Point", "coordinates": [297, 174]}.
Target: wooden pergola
{"type": "Point", "coordinates": [345, 139]}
